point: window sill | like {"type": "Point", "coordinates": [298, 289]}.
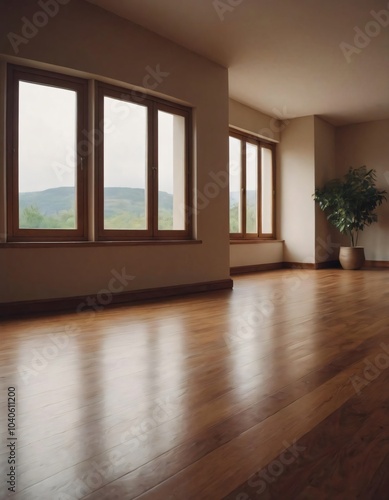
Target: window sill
{"type": "Point", "coordinates": [83, 244]}
{"type": "Point", "coordinates": [244, 242]}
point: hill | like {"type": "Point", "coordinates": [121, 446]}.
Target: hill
{"type": "Point", "coordinates": [124, 209]}
{"type": "Point", "coordinates": [117, 201]}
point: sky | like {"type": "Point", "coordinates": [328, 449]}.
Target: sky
{"type": "Point", "coordinates": [47, 141]}
{"type": "Point", "coordinates": [47, 118]}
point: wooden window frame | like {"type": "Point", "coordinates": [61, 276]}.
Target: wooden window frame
{"type": "Point", "coordinates": [14, 232]}
{"type": "Point", "coordinates": [247, 138]}
{"type": "Point", "coordinates": [153, 105]}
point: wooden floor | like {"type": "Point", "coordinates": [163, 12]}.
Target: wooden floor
{"type": "Point", "coordinates": [275, 390]}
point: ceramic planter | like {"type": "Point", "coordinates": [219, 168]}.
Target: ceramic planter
{"type": "Point", "coordinates": [352, 257]}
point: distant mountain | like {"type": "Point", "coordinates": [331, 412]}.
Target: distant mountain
{"type": "Point", "coordinates": [250, 195]}
{"type": "Point", "coordinates": [50, 201]}
{"type": "Point", "coordinates": [117, 200]}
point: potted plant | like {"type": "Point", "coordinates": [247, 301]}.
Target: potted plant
{"type": "Point", "coordinates": [350, 205]}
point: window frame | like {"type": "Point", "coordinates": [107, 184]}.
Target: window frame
{"type": "Point", "coordinates": [16, 74]}
{"type": "Point", "coordinates": [153, 105]}
{"type": "Point", "coordinates": [246, 138]}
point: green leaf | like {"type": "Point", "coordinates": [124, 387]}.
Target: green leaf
{"type": "Point", "coordinates": [350, 202]}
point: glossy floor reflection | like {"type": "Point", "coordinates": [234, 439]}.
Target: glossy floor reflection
{"type": "Point", "coordinates": [187, 397]}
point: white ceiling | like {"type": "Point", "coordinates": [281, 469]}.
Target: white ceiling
{"type": "Point", "coordinates": [284, 56]}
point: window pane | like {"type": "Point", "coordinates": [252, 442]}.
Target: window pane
{"type": "Point", "coordinates": [171, 171]}
{"type": "Point", "coordinates": [47, 157]}
{"type": "Point", "coordinates": [251, 188]}
{"type": "Point", "coordinates": [267, 191]}
{"type": "Point", "coordinates": [125, 165]}
{"type": "Point", "coordinates": [235, 185]}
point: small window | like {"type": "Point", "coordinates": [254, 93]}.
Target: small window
{"type": "Point", "coordinates": [143, 167]}
{"type": "Point", "coordinates": [45, 168]}
{"type": "Point", "coordinates": [252, 192]}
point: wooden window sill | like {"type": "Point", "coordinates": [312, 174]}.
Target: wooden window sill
{"type": "Point", "coordinates": [243, 242]}
{"type": "Point", "coordinates": [84, 244]}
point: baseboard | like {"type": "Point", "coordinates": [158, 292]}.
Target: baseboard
{"type": "Point", "coordinates": [335, 264]}
{"type": "Point", "coordinates": [329, 264]}
{"type": "Point", "coordinates": [255, 268]}
{"type": "Point", "coordinates": [284, 265]}
{"type": "Point", "coordinates": [298, 265]}
{"type": "Point", "coordinates": [76, 304]}
{"type": "Point", "coordinates": [372, 264]}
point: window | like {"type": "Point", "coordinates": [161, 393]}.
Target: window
{"type": "Point", "coordinates": [252, 194]}
{"type": "Point", "coordinates": [46, 178]}
{"type": "Point", "coordinates": [143, 174]}
{"type": "Point", "coordinates": [141, 170]}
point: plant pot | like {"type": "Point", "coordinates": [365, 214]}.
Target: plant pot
{"type": "Point", "coordinates": [352, 257]}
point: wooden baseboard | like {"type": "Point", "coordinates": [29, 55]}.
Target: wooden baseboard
{"type": "Point", "coordinates": [335, 264]}
{"type": "Point", "coordinates": [78, 304]}
{"type": "Point", "coordinates": [284, 265]}
{"type": "Point", "coordinates": [314, 265]}
{"type": "Point", "coordinates": [329, 264]}
{"type": "Point", "coordinates": [10, 309]}
{"type": "Point", "coordinates": [298, 265]}
{"type": "Point", "coordinates": [372, 264]}
{"type": "Point", "coordinates": [255, 268]}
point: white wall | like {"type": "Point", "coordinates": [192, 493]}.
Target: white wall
{"type": "Point", "coordinates": [90, 40]}
{"type": "Point", "coordinates": [254, 122]}
{"type": "Point", "coordinates": [296, 181]}
{"type": "Point", "coordinates": [368, 144]}
{"type": "Point", "coordinates": [326, 236]}
{"type": "Point", "coordinates": [256, 253]}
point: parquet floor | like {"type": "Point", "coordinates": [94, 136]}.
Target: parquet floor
{"type": "Point", "coordinates": [278, 389]}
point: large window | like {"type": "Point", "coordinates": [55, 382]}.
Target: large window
{"type": "Point", "coordinates": [46, 175]}
{"type": "Point", "coordinates": [252, 193]}
{"type": "Point", "coordinates": [143, 175]}
{"type": "Point", "coordinates": [140, 174]}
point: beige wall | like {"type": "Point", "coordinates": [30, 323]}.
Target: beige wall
{"type": "Point", "coordinates": [254, 254]}
{"type": "Point", "coordinates": [85, 38]}
{"type": "Point", "coordinates": [2, 152]}
{"type": "Point", "coordinates": [326, 236]}
{"type": "Point", "coordinates": [368, 144]}
{"type": "Point", "coordinates": [254, 122]}
{"type": "Point", "coordinates": [296, 181]}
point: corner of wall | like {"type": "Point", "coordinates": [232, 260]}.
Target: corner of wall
{"type": "Point", "coordinates": [326, 237]}
{"type": "Point", "coordinates": [296, 167]}
{"type": "Point", "coordinates": [253, 121]}
{"type": "Point", "coordinates": [3, 84]}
